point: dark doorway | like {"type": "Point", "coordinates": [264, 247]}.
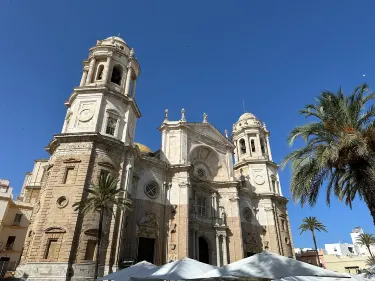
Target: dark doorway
{"type": "Point", "coordinates": [249, 254]}
{"type": "Point", "coordinates": [203, 250]}
{"type": "Point", "coordinates": [146, 249]}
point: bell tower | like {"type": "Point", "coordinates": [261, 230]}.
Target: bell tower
{"type": "Point", "coordinates": [264, 217]}
{"type": "Point", "coordinates": [97, 137]}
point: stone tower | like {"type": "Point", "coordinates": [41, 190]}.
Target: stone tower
{"type": "Point", "coordinates": [96, 138]}
{"type": "Point", "coordinates": [264, 217]}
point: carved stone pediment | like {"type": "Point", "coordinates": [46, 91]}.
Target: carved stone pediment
{"type": "Point", "coordinates": [72, 160]}
{"type": "Point", "coordinates": [55, 229]}
{"type": "Point", "coordinates": [148, 226]}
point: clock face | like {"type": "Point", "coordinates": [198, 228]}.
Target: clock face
{"type": "Point", "coordinates": [259, 180]}
{"type": "Point", "coordinates": [85, 114]}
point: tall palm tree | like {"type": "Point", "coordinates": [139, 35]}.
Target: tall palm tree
{"type": "Point", "coordinates": [312, 224]}
{"type": "Point", "coordinates": [370, 261]}
{"type": "Point", "coordinates": [103, 197]}
{"type": "Point", "coordinates": [366, 239]}
{"type": "Point", "coordinates": [339, 149]}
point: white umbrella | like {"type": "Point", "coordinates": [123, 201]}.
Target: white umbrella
{"type": "Point", "coordinates": [270, 266]}
{"type": "Point", "coordinates": [350, 277]}
{"type": "Point", "coordinates": [184, 269]}
{"type": "Point", "coordinates": [139, 270]}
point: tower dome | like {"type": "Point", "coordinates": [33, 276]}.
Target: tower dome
{"type": "Point", "coordinates": [247, 115]}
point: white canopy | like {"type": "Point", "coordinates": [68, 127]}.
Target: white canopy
{"type": "Point", "coordinates": [270, 266]}
{"type": "Point", "coordinates": [315, 278]}
{"type": "Point", "coordinates": [184, 269]}
{"type": "Point", "coordinates": [139, 270]}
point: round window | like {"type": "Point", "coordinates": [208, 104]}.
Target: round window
{"type": "Point", "coordinates": [247, 214]}
{"type": "Point", "coordinates": [200, 173]}
{"type": "Point", "coordinates": [62, 202]}
{"type": "Point", "coordinates": [152, 190]}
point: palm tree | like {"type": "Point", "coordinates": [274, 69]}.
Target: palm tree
{"type": "Point", "coordinates": [370, 261]}
{"type": "Point", "coordinates": [312, 224]}
{"type": "Point", "coordinates": [339, 149]}
{"type": "Point", "coordinates": [366, 239]}
{"type": "Point", "coordinates": [102, 199]}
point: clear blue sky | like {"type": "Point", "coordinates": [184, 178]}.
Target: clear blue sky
{"type": "Point", "coordinates": [204, 56]}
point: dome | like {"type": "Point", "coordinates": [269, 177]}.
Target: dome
{"type": "Point", "coordinates": [115, 38]}
{"type": "Point", "coordinates": [143, 148]}
{"type": "Point", "coordinates": [247, 115]}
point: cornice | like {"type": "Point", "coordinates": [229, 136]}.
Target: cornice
{"type": "Point", "coordinates": [245, 162]}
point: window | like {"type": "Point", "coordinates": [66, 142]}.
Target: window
{"type": "Point", "coordinates": [252, 146]}
{"type": "Point", "coordinates": [274, 185]}
{"type": "Point", "coordinates": [152, 190]}
{"type": "Point", "coordinates": [90, 250]}
{"type": "Point", "coordinates": [131, 87]}
{"type": "Point", "coordinates": [68, 177]}
{"type": "Point", "coordinates": [10, 242]}
{"type": "Point", "coordinates": [111, 126]}
{"type": "Point", "coordinates": [247, 214]}
{"type": "Point", "coordinates": [262, 147]}
{"type": "Point", "coordinates": [17, 219]}
{"type": "Point", "coordinates": [283, 225]}
{"type": "Point", "coordinates": [99, 75]}
{"type": "Point", "coordinates": [201, 206]}
{"type": "Point", "coordinates": [200, 173]}
{"type": "Point", "coordinates": [242, 146]}
{"type": "Point", "coordinates": [116, 75]}
{"type": "Point", "coordinates": [350, 249]}
{"type": "Point", "coordinates": [51, 249]}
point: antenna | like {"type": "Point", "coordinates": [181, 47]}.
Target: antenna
{"type": "Point", "coordinates": [118, 35]}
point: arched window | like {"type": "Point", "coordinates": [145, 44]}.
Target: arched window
{"type": "Point", "coordinates": [99, 74]}
{"type": "Point", "coordinates": [252, 146]}
{"type": "Point", "coordinates": [131, 87]}
{"type": "Point", "coordinates": [242, 146]}
{"type": "Point", "coordinates": [262, 146]}
{"type": "Point", "coordinates": [116, 75]}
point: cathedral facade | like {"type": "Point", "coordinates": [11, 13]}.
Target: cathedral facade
{"type": "Point", "coordinates": [203, 195]}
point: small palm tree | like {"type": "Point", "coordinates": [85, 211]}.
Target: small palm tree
{"type": "Point", "coordinates": [339, 149]}
{"type": "Point", "coordinates": [366, 239]}
{"type": "Point", "coordinates": [103, 197]}
{"type": "Point", "coordinates": [370, 261]}
{"type": "Point", "coordinates": [312, 224]}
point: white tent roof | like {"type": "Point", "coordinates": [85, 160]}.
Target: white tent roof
{"type": "Point", "coordinates": [270, 266]}
{"type": "Point", "coordinates": [184, 269]}
{"type": "Point", "coordinates": [315, 278]}
{"type": "Point", "coordinates": [139, 270]}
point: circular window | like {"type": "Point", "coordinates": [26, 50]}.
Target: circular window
{"type": "Point", "coordinates": [152, 190]}
{"type": "Point", "coordinates": [62, 202]}
{"type": "Point", "coordinates": [201, 173]}
{"type": "Point", "coordinates": [247, 214]}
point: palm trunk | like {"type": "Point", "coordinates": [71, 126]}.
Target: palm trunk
{"type": "Point", "coordinates": [369, 197]}
{"type": "Point", "coordinates": [316, 247]}
{"type": "Point", "coordinates": [98, 245]}
{"type": "Point", "coordinates": [369, 250]}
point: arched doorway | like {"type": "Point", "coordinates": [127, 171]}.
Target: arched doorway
{"type": "Point", "coordinates": [203, 250]}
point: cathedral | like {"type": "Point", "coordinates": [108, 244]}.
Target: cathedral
{"type": "Point", "coordinates": [204, 195]}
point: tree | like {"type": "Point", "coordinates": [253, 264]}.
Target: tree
{"type": "Point", "coordinates": [312, 224]}
{"type": "Point", "coordinates": [366, 239]}
{"type": "Point", "coordinates": [102, 198]}
{"type": "Point", "coordinates": [370, 261]}
{"type": "Point", "coordinates": [339, 149]}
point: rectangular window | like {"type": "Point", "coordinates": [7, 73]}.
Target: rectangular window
{"type": "Point", "coordinates": [201, 206]}
{"type": "Point", "coordinates": [111, 126]}
{"type": "Point", "coordinates": [17, 219]}
{"type": "Point", "coordinates": [283, 225]}
{"type": "Point", "coordinates": [274, 185]}
{"type": "Point", "coordinates": [90, 250]}
{"type": "Point", "coordinates": [51, 249]}
{"type": "Point", "coordinates": [10, 242]}
{"type": "Point", "coordinates": [252, 145]}
{"type": "Point", "coordinates": [69, 175]}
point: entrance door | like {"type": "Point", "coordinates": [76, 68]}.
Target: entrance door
{"type": "Point", "coordinates": [203, 250]}
{"type": "Point", "coordinates": [146, 249]}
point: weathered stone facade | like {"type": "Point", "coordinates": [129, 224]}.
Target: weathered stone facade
{"type": "Point", "coordinates": [189, 199]}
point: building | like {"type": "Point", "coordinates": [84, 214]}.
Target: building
{"type": "Point", "coordinates": [309, 256]}
{"type": "Point", "coordinates": [14, 220]}
{"type": "Point", "coordinates": [340, 249]}
{"type": "Point", "coordinates": [360, 250]}
{"type": "Point", "coordinates": [346, 264]}
{"type": "Point", "coordinates": [189, 198]}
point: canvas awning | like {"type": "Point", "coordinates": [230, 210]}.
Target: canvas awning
{"type": "Point", "coordinates": [139, 270]}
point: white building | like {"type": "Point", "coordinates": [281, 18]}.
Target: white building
{"type": "Point", "coordinates": [360, 250]}
{"type": "Point", "coordinates": [340, 249]}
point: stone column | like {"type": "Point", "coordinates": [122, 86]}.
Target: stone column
{"type": "Point", "coordinates": [107, 68]}
{"type": "Point", "coordinates": [225, 256]}
{"type": "Point", "coordinates": [268, 149]}
{"type": "Point", "coordinates": [217, 250]}
{"type": "Point", "coordinates": [257, 144]}
{"type": "Point", "coordinates": [133, 90]}
{"type": "Point", "coordinates": [91, 70]}
{"type": "Point", "coordinates": [128, 77]}
{"type": "Point", "coordinates": [247, 144]}
{"type": "Point", "coordinates": [84, 77]}
{"type": "Point", "coordinates": [237, 151]}
{"type": "Point", "coordinates": [213, 205]}
{"type": "Point", "coordinates": [194, 234]}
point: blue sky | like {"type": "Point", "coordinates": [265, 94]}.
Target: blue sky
{"type": "Point", "coordinates": [204, 56]}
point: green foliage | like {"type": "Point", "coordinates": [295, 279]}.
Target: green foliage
{"type": "Point", "coordinates": [365, 239]}
{"type": "Point", "coordinates": [312, 224]}
{"type": "Point", "coordinates": [370, 261]}
{"type": "Point", "coordinates": [103, 197]}
{"type": "Point", "coordinates": [339, 149]}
